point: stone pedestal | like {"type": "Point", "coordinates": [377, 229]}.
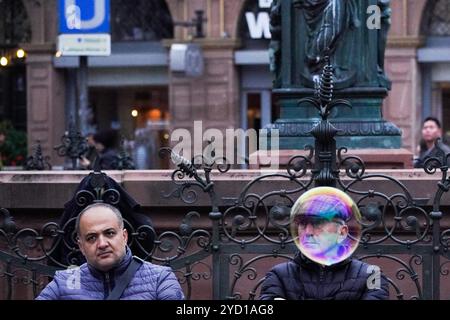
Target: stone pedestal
{"type": "Point", "coordinates": [373, 158]}
{"type": "Point", "coordinates": [360, 127]}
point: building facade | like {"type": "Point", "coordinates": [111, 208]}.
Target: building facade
{"type": "Point", "coordinates": [136, 90]}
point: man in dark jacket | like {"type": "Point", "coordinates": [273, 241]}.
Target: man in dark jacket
{"type": "Point", "coordinates": [303, 279]}
{"type": "Point", "coordinates": [325, 224]}
{"type": "Point", "coordinates": [431, 132]}
{"type": "Point", "coordinates": [102, 239]}
{"type": "Point", "coordinates": [105, 143]}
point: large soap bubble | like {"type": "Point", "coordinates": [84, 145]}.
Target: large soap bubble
{"type": "Point", "coordinates": [326, 225]}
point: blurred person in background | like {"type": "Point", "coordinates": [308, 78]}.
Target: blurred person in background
{"type": "Point", "coordinates": [431, 132]}
{"type": "Point", "coordinates": [105, 143]}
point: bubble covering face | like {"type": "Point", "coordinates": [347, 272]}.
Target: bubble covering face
{"type": "Point", "coordinates": [326, 225]}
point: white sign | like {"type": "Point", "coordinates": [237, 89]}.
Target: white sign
{"type": "Point", "coordinates": [84, 27]}
{"type": "Point", "coordinates": [95, 44]}
{"type": "Point", "coordinates": [265, 3]}
{"type": "Point", "coordinates": [259, 24]}
{"type": "Point", "coordinates": [187, 58]}
{"type": "Point", "coordinates": [84, 16]}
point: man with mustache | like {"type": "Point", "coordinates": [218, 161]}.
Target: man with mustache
{"type": "Point", "coordinates": [324, 229]}
{"type": "Point", "coordinates": [111, 272]}
{"type": "Point", "coordinates": [322, 237]}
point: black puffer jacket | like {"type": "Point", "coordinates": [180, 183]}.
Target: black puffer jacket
{"type": "Point", "coordinates": [302, 279]}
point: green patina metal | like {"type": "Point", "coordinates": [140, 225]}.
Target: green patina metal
{"type": "Point", "coordinates": [304, 32]}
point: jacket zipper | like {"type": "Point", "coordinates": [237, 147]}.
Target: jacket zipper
{"type": "Point", "coordinates": [321, 275]}
{"type": "Point", "coordinates": [107, 284]}
{"type": "Point", "coordinates": [321, 279]}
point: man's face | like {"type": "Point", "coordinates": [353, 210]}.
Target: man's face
{"type": "Point", "coordinates": [430, 131]}
{"type": "Point", "coordinates": [102, 240]}
{"type": "Point", "coordinates": [319, 236]}
{"type": "Point", "coordinates": [99, 146]}
{"type": "Point", "coordinates": [90, 140]}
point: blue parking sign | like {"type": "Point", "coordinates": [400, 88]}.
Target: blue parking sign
{"type": "Point", "coordinates": [84, 16]}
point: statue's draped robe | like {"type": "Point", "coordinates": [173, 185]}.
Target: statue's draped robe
{"type": "Point", "coordinates": [326, 21]}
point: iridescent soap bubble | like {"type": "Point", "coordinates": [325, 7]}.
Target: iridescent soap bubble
{"type": "Point", "coordinates": [326, 225]}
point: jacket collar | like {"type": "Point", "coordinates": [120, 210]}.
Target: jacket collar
{"type": "Point", "coordinates": [304, 261]}
{"type": "Point", "coordinates": [115, 271]}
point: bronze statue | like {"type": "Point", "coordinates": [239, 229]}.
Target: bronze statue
{"type": "Point", "coordinates": [386, 12]}
{"type": "Point", "coordinates": [353, 35]}
{"type": "Point", "coordinates": [275, 43]}
{"type": "Point", "coordinates": [327, 21]}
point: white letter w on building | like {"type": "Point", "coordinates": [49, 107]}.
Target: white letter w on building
{"type": "Point", "coordinates": [258, 26]}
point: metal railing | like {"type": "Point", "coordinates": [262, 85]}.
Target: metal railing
{"type": "Point", "coordinates": [243, 239]}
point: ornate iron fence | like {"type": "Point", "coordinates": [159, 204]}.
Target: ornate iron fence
{"type": "Point", "coordinates": [250, 234]}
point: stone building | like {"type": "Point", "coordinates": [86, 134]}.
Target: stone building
{"type": "Point", "coordinates": [135, 89]}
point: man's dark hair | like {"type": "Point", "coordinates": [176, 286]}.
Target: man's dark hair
{"type": "Point", "coordinates": [108, 138]}
{"type": "Point", "coordinates": [435, 120]}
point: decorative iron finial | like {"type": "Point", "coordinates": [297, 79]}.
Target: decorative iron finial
{"type": "Point", "coordinates": [326, 84]}
{"type": "Point", "coordinates": [184, 165]}
{"type": "Point", "coordinates": [73, 145]}
{"type": "Point", "coordinates": [7, 222]}
{"type": "Point", "coordinates": [37, 161]}
{"type": "Point", "coordinates": [101, 193]}
{"type": "Point", "coordinates": [123, 160]}
{"type": "Point", "coordinates": [323, 100]}
{"type": "Point", "coordinates": [192, 169]}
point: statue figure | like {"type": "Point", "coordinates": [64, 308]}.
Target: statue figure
{"type": "Point", "coordinates": [352, 36]}
{"type": "Point", "coordinates": [275, 43]}
{"type": "Point", "coordinates": [327, 22]}
{"type": "Point", "coordinates": [386, 12]}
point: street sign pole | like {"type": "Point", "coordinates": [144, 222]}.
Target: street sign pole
{"type": "Point", "coordinates": [84, 27]}
{"type": "Point", "coordinates": [82, 105]}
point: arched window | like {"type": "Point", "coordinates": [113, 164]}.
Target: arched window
{"type": "Point", "coordinates": [140, 20]}
{"type": "Point", "coordinates": [14, 29]}
{"type": "Point", "coordinates": [439, 19]}
{"type": "Point", "coordinates": [14, 24]}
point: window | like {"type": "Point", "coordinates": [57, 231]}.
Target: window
{"type": "Point", "coordinates": [439, 19]}
{"type": "Point", "coordinates": [14, 29]}
{"type": "Point", "coordinates": [14, 24]}
{"type": "Point", "coordinates": [140, 20]}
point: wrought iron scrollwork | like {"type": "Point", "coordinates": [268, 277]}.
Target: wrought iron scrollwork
{"type": "Point", "coordinates": [7, 224]}
{"type": "Point", "coordinates": [199, 169]}
{"type": "Point", "coordinates": [407, 271]}
{"type": "Point", "coordinates": [249, 270]}
{"type": "Point", "coordinates": [101, 192]}
{"type": "Point", "coordinates": [73, 145]}
{"type": "Point", "coordinates": [323, 100]}
{"type": "Point", "coordinates": [389, 218]}
{"type": "Point", "coordinates": [192, 273]}
{"type": "Point", "coordinates": [123, 160]}
{"type": "Point", "coordinates": [398, 230]}
{"type": "Point", "coordinates": [298, 166]}
{"type": "Point", "coordinates": [37, 161]}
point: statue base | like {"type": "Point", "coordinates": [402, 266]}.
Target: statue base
{"type": "Point", "coordinates": [352, 134]}
{"type": "Point", "coordinates": [372, 158]}
{"type": "Point", "coordinates": [360, 127]}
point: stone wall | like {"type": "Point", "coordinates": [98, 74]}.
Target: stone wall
{"type": "Point", "coordinates": [35, 198]}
